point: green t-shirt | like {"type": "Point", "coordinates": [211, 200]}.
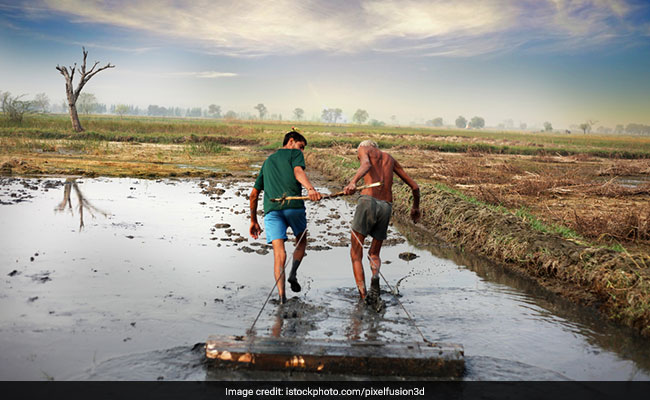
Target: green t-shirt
{"type": "Point", "coordinates": [276, 178]}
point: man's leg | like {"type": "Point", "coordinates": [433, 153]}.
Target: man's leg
{"type": "Point", "coordinates": [356, 255]}
{"type": "Point", "coordinates": [298, 254]}
{"type": "Point", "coordinates": [279, 257]}
{"type": "Point", "coordinates": [375, 263]}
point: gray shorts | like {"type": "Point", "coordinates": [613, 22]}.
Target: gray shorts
{"type": "Point", "coordinates": [372, 217]}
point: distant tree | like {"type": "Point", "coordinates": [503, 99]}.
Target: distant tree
{"type": "Point", "coordinates": [477, 122]}
{"type": "Point", "coordinates": [548, 127]}
{"type": "Point", "coordinates": [336, 114]}
{"type": "Point", "coordinates": [87, 103]}
{"type": "Point", "coordinates": [153, 110]}
{"type": "Point", "coordinates": [73, 93]}
{"type": "Point", "coordinates": [230, 115]}
{"type": "Point", "coordinates": [393, 119]}
{"type": "Point", "coordinates": [121, 109]}
{"type": "Point", "coordinates": [437, 122]}
{"type": "Point", "coordinates": [261, 109]}
{"type": "Point", "coordinates": [13, 108]}
{"type": "Point", "coordinates": [326, 115]}
{"type": "Point", "coordinates": [586, 126]}
{"type": "Point", "coordinates": [41, 103]}
{"type": "Point", "coordinates": [461, 122]}
{"type": "Point", "coordinates": [214, 111]}
{"type": "Point", "coordinates": [374, 122]}
{"type": "Point", "coordinates": [331, 114]}
{"type": "Point", "coordinates": [360, 116]}
{"type": "Point", "coordinates": [619, 129]}
{"type": "Point", "coordinates": [298, 113]}
{"type": "Point", "coordinates": [637, 129]}
{"type": "Point", "coordinates": [523, 126]}
{"type": "Point", "coordinates": [194, 112]}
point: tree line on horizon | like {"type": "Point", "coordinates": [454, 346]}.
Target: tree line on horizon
{"type": "Point", "coordinates": [13, 108]}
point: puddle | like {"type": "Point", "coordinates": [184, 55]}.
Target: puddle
{"type": "Point", "coordinates": [628, 181]}
{"type": "Point", "coordinates": [129, 295]}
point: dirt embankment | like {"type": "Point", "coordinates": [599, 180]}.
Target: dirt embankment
{"type": "Point", "coordinates": [617, 283]}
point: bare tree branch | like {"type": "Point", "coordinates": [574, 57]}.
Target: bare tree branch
{"type": "Point", "coordinates": [73, 93]}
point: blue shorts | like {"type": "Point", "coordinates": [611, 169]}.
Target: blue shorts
{"type": "Point", "coordinates": [276, 223]}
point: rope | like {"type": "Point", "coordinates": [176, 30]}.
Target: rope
{"type": "Point", "coordinates": [393, 292]}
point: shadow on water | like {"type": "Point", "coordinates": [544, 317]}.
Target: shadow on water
{"type": "Point", "coordinates": [586, 321]}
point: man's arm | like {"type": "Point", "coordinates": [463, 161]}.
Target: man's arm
{"type": "Point", "coordinates": [415, 210]}
{"type": "Point", "coordinates": [301, 177]}
{"type": "Point", "coordinates": [255, 229]}
{"type": "Point", "coordinates": [363, 169]}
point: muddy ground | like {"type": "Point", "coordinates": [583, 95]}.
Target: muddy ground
{"type": "Point", "coordinates": [133, 293]}
{"type": "Point", "coordinates": [604, 203]}
{"type": "Point", "coordinates": [585, 270]}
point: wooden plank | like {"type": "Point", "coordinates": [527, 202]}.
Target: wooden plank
{"type": "Point", "coordinates": [337, 356]}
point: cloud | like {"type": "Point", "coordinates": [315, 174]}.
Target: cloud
{"type": "Point", "coordinates": [204, 74]}
{"type": "Point", "coordinates": [413, 27]}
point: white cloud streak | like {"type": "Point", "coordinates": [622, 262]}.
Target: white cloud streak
{"type": "Point", "coordinates": [413, 27]}
{"type": "Point", "coordinates": [204, 74]}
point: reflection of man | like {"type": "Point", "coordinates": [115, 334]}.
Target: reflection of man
{"type": "Point", "coordinates": [374, 209]}
{"type": "Point", "coordinates": [282, 174]}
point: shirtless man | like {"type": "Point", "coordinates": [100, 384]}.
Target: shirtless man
{"type": "Point", "coordinates": [374, 210]}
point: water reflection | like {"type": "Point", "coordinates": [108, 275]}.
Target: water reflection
{"type": "Point", "coordinates": [542, 304]}
{"type": "Point", "coordinates": [364, 323]}
{"type": "Point", "coordinates": [69, 185]}
{"type": "Point", "coordinates": [163, 272]}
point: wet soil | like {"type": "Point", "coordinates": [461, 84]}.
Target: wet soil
{"type": "Point", "coordinates": [133, 294]}
{"type": "Point", "coordinates": [616, 282]}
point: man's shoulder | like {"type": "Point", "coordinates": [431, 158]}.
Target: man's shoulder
{"type": "Point", "coordinates": [285, 152]}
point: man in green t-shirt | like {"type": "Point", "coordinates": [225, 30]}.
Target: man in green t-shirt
{"type": "Point", "coordinates": [282, 174]}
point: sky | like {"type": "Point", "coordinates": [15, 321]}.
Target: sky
{"type": "Point", "coordinates": [528, 61]}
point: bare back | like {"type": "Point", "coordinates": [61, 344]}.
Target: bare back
{"type": "Point", "coordinates": [382, 166]}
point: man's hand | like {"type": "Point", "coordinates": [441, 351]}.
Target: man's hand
{"type": "Point", "coordinates": [314, 195]}
{"type": "Point", "coordinates": [255, 230]}
{"type": "Point", "coordinates": [415, 215]}
{"type": "Point", "coordinates": [350, 188]}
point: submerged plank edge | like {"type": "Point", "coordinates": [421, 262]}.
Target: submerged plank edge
{"type": "Point", "coordinates": [337, 356]}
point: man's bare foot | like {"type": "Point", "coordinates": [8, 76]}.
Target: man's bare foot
{"type": "Point", "coordinates": [295, 286]}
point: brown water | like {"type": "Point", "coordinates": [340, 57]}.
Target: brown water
{"type": "Point", "coordinates": [130, 295]}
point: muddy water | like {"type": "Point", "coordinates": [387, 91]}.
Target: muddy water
{"type": "Point", "coordinates": [132, 294]}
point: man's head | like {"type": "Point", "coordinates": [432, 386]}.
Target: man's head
{"type": "Point", "coordinates": [294, 140]}
{"type": "Point", "coordinates": [368, 143]}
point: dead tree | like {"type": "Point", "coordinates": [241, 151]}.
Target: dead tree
{"type": "Point", "coordinates": [73, 94]}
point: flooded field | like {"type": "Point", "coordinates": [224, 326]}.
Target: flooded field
{"type": "Point", "coordinates": [134, 293]}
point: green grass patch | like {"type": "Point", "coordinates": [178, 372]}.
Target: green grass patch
{"type": "Point", "coordinates": [267, 135]}
{"type": "Point", "coordinates": [207, 148]}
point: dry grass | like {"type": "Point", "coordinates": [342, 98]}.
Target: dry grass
{"type": "Point", "coordinates": [557, 190]}
{"type": "Point", "coordinates": [617, 281]}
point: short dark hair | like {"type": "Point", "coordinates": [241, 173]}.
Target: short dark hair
{"type": "Point", "coordinates": [296, 136]}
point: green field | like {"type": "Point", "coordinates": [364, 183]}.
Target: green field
{"type": "Point", "coordinates": [268, 135]}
